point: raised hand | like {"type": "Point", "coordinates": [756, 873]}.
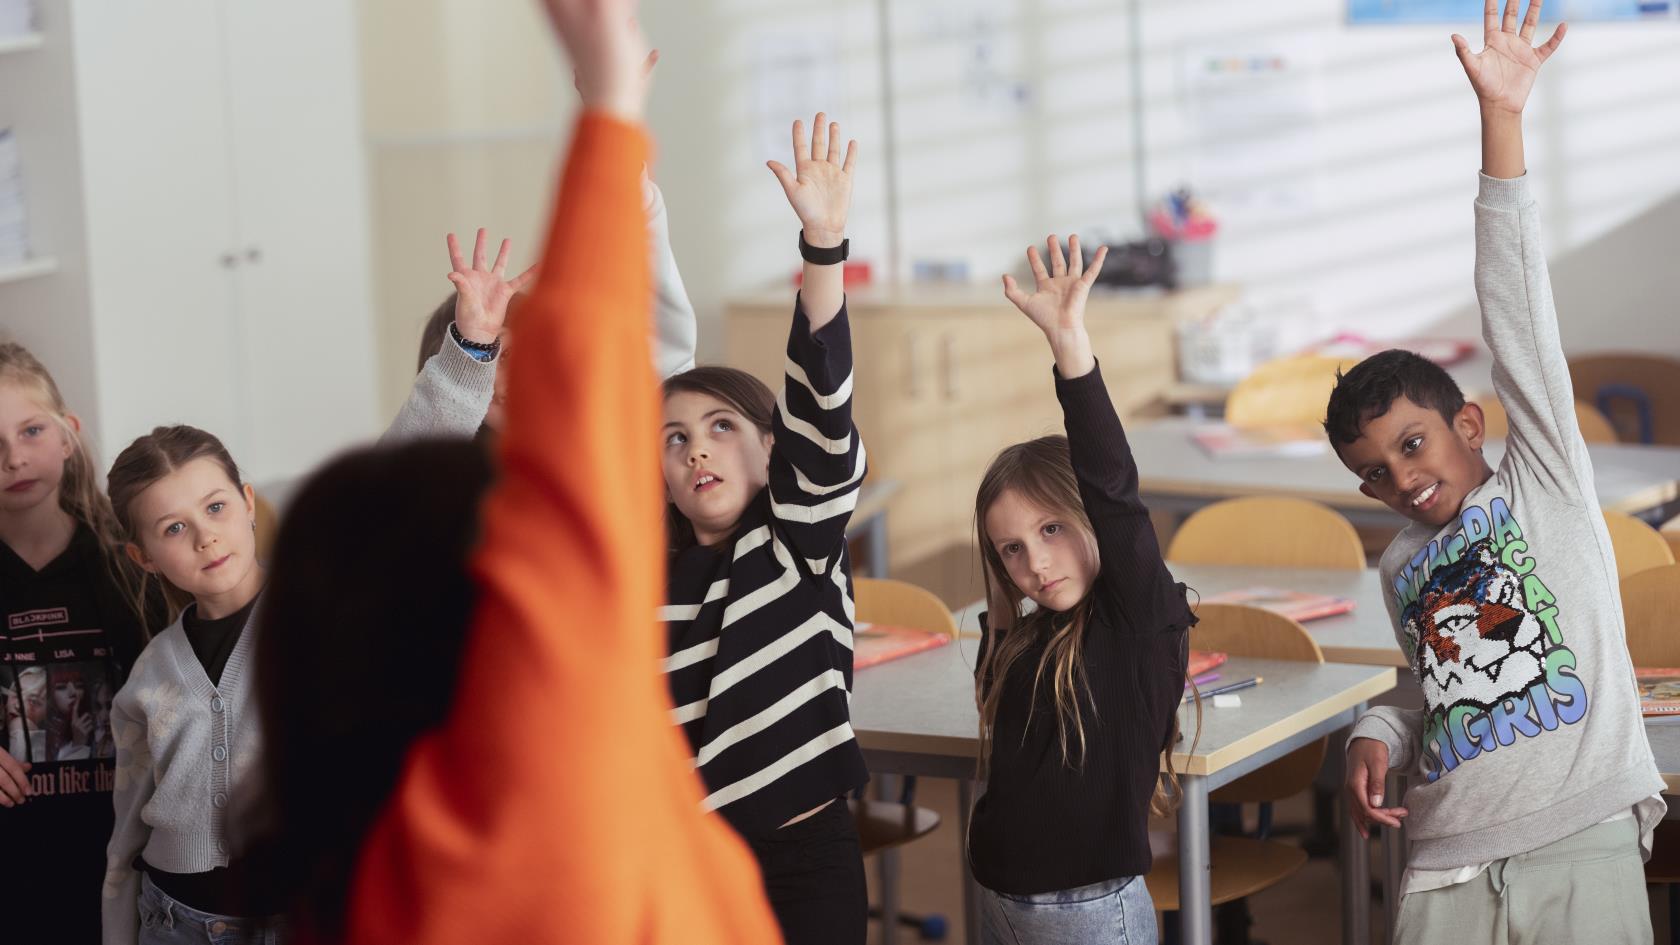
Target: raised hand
{"type": "Point", "coordinates": [1504, 71]}
{"type": "Point", "coordinates": [1057, 302]}
{"type": "Point", "coordinates": [607, 49]}
{"type": "Point", "coordinates": [481, 293]}
{"type": "Point", "coordinates": [819, 187]}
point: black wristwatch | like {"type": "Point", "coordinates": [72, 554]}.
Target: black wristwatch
{"type": "Point", "coordinates": [476, 350]}
{"type": "Point", "coordinates": [824, 256]}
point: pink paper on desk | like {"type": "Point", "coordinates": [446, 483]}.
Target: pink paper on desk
{"type": "Point", "coordinates": [1297, 605]}
{"type": "Point", "coordinates": [874, 643]}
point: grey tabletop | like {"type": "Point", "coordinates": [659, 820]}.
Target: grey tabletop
{"type": "Point", "coordinates": [1629, 478]}
{"type": "Point", "coordinates": [924, 705]}
{"type": "Point", "coordinates": [1665, 745]}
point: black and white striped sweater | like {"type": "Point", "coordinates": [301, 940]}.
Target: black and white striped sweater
{"type": "Point", "coordinates": [760, 628]}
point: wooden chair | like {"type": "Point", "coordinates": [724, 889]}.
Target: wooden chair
{"type": "Point", "coordinates": [1638, 546]}
{"type": "Point", "coordinates": [1639, 393]}
{"type": "Point", "coordinates": [1671, 532]}
{"type": "Point", "coordinates": [267, 524]}
{"type": "Point", "coordinates": [1650, 601]}
{"type": "Point", "coordinates": [1268, 530]}
{"type": "Point", "coordinates": [1243, 866]}
{"type": "Point", "coordinates": [1285, 391]}
{"type": "Point", "coordinates": [1595, 427]}
{"type": "Point", "coordinates": [882, 824]}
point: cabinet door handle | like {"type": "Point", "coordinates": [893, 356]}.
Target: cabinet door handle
{"type": "Point", "coordinates": [230, 261]}
{"type": "Point", "coordinates": [948, 365]}
{"type": "Point", "coordinates": [912, 366]}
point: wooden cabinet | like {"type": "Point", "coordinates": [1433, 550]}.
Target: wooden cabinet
{"type": "Point", "coordinates": [947, 377]}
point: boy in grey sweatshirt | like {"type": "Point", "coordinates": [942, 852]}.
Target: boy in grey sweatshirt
{"type": "Point", "coordinates": [1533, 792]}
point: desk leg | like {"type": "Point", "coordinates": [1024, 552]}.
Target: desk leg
{"type": "Point", "coordinates": [1356, 876]}
{"type": "Point", "coordinates": [878, 546]}
{"type": "Point", "coordinates": [1394, 854]}
{"type": "Point", "coordinates": [971, 893]}
{"type": "Point", "coordinates": [1195, 886]}
{"type": "Point", "coordinates": [887, 867]}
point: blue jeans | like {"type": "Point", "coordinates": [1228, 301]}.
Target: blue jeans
{"type": "Point", "coordinates": [1116, 912]}
{"type": "Point", "coordinates": [164, 921]}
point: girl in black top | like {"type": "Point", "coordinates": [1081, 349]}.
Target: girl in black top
{"type": "Point", "coordinates": [73, 615]}
{"type": "Point", "coordinates": [1078, 699]}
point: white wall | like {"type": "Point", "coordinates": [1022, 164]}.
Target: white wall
{"type": "Point", "coordinates": [1035, 136]}
{"type": "Point", "coordinates": [1385, 252]}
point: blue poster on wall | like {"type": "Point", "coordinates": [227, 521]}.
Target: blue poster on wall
{"type": "Point", "coordinates": [1470, 11]}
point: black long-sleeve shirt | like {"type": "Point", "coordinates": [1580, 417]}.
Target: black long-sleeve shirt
{"type": "Point", "coordinates": [1042, 825]}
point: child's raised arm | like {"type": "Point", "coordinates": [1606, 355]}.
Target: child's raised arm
{"type": "Point", "coordinates": [1133, 582]}
{"type": "Point", "coordinates": [1519, 322]}
{"type": "Point", "coordinates": [817, 461]}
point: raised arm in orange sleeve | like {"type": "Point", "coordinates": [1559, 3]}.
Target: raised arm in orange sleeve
{"type": "Point", "coordinates": [558, 803]}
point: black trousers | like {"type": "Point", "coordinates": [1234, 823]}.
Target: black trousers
{"type": "Point", "coordinates": [813, 875]}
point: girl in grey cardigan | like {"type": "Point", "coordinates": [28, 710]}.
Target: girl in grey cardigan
{"type": "Point", "coordinates": [184, 734]}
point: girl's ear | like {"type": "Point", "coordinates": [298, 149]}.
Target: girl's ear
{"type": "Point", "coordinates": [138, 555]}
{"type": "Point", "coordinates": [74, 421]}
{"type": "Point", "coordinates": [250, 495]}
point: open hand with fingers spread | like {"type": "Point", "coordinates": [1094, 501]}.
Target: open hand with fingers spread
{"type": "Point", "coordinates": [1504, 71]}
{"type": "Point", "coordinates": [1057, 303]}
{"type": "Point", "coordinates": [820, 185]}
{"type": "Point", "coordinates": [482, 294]}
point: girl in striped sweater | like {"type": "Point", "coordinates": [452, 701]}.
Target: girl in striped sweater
{"type": "Point", "coordinates": [760, 610]}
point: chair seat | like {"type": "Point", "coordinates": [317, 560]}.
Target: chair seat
{"type": "Point", "coordinates": [882, 825]}
{"type": "Point", "coordinates": [1241, 867]}
{"type": "Point", "coordinates": [1664, 865]}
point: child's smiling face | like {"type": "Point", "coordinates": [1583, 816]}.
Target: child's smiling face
{"type": "Point", "coordinates": [1416, 463]}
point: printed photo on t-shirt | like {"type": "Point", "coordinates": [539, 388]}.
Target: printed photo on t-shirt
{"type": "Point", "coordinates": [58, 712]}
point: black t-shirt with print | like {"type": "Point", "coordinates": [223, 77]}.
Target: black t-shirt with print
{"type": "Point", "coordinates": [66, 644]}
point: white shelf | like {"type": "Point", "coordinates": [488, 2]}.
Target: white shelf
{"type": "Point", "coordinates": [28, 269]}
{"type": "Point", "coordinates": [23, 43]}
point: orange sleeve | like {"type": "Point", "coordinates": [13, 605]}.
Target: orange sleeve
{"type": "Point", "coordinates": [558, 803]}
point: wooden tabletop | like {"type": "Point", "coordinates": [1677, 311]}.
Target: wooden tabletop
{"type": "Point", "coordinates": [924, 705]}
{"type": "Point", "coordinates": [1630, 478]}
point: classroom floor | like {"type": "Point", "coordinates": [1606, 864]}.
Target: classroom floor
{"type": "Point", "coordinates": [1304, 910]}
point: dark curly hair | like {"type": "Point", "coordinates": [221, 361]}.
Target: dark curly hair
{"type": "Point", "coordinates": [1372, 386]}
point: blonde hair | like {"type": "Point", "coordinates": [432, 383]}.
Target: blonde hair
{"type": "Point", "coordinates": [78, 491]}
{"type": "Point", "coordinates": [1041, 471]}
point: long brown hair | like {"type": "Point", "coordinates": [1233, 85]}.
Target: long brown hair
{"type": "Point", "coordinates": [1041, 471]}
{"type": "Point", "coordinates": [149, 459]}
{"type": "Point", "coordinates": [745, 394]}
{"type": "Point", "coordinates": [78, 490]}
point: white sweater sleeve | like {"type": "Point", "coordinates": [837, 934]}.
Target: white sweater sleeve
{"type": "Point", "coordinates": [675, 330]}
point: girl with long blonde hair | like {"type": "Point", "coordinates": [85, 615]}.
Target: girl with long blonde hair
{"type": "Point", "coordinates": [1078, 694]}
{"type": "Point", "coordinates": [75, 611]}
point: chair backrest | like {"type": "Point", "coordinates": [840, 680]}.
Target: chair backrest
{"type": "Point", "coordinates": [901, 604]}
{"type": "Point", "coordinates": [1242, 630]}
{"type": "Point", "coordinates": [1650, 600]}
{"type": "Point", "coordinates": [267, 524]}
{"type": "Point", "coordinates": [1638, 546]}
{"type": "Point", "coordinates": [1626, 385]}
{"type": "Point", "coordinates": [1268, 530]}
{"type": "Point", "coordinates": [1285, 391]}
{"type": "Point", "coordinates": [1671, 532]}
{"type": "Point", "coordinates": [1595, 427]}
{"type": "Point", "coordinates": [1246, 630]}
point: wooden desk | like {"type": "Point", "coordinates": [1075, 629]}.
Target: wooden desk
{"type": "Point", "coordinates": [1177, 476]}
{"type": "Point", "coordinates": [917, 716]}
